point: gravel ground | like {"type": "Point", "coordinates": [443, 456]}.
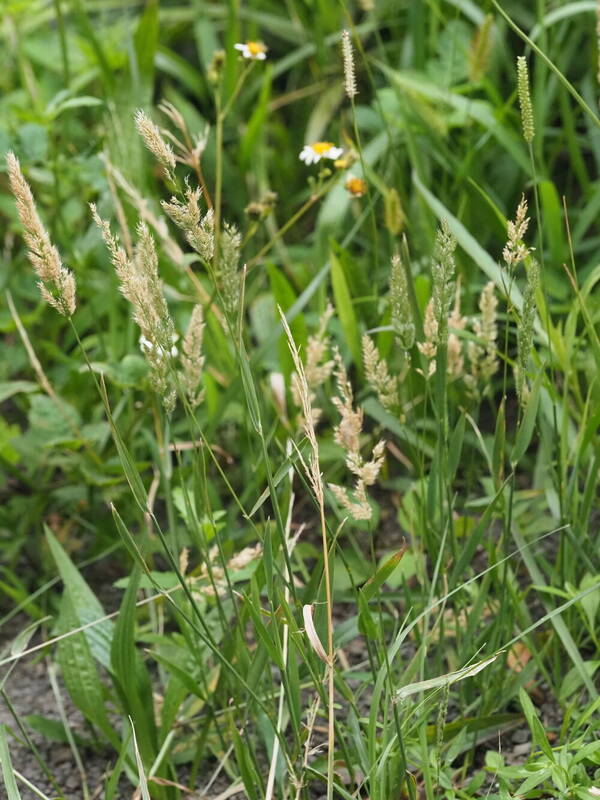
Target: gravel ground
{"type": "Point", "coordinates": [29, 691]}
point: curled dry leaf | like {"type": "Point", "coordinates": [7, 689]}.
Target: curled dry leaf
{"type": "Point", "coordinates": [313, 637]}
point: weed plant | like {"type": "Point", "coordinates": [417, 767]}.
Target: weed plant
{"type": "Point", "coordinates": [310, 376]}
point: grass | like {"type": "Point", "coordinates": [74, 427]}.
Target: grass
{"type": "Point", "coordinates": [357, 565]}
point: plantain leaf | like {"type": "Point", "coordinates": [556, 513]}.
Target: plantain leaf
{"type": "Point", "coordinates": [85, 605]}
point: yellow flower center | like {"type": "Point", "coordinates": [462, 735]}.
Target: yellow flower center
{"type": "Point", "coordinates": [255, 48]}
{"type": "Point", "coordinates": [356, 186]}
{"type": "Point", "coordinates": [321, 147]}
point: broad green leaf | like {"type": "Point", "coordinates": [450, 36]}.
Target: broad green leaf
{"type": "Point", "coordinates": [345, 310]}
{"type": "Point", "coordinates": [143, 785]}
{"type": "Point", "coordinates": [554, 227]}
{"type": "Point", "coordinates": [10, 388]}
{"type": "Point", "coordinates": [130, 671]}
{"type": "Point", "coordinates": [79, 671]}
{"type": "Point", "coordinates": [86, 607]}
{"type": "Point", "coordinates": [525, 431]}
{"type": "Point", "coordinates": [374, 584]}
{"type": "Point", "coordinates": [536, 727]}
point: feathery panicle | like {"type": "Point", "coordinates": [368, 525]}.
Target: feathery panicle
{"type": "Point", "coordinates": [228, 276]}
{"type": "Point", "coordinates": [402, 316]}
{"type": "Point", "coordinates": [141, 285]}
{"type": "Point", "coordinates": [515, 251]}
{"type": "Point", "coordinates": [213, 573]}
{"type": "Point", "coordinates": [444, 270]}
{"type": "Point", "coordinates": [192, 359]}
{"type": "Point", "coordinates": [378, 376]}
{"type": "Point", "coordinates": [347, 434]}
{"type": "Point", "coordinates": [483, 354]}
{"type": "Point", "coordinates": [525, 331]}
{"type": "Point", "coordinates": [200, 234]}
{"type": "Point", "coordinates": [313, 471]}
{"type": "Point", "coordinates": [456, 322]}
{"type": "Point", "coordinates": [429, 347]}
{"type": "Point", "coordinates": [150, 133]}
{"type": "Point", "coordinates": [525, 99]}
{"type": "Point", "coordinates": [56, 282]}
{"type": "Point", "coordinates": [199, 230]}
{"type": "Point", "coordinates": [480, 50]}
{"type": "Point", "coordinates": [349, 74]}
{"type": "Point", "coordinates": [317, 369]}
{"type": "Point", "coordinates": [170, 111]}
{"type": "Point", "coordinates": [347, 431]}
{"type": "Point", "coordinates": [189, 150]}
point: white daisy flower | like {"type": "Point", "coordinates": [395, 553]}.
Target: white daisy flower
{"type": "Point", "coordinates": [255, 51]}
{"type": "Point", "coordinates": [312, 153]}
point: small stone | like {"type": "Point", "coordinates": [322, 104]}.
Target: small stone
{"type": "Point", "coordinates": [520, 736]}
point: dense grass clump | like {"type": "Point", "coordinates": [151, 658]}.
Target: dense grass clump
{"type": "Point", "coordinates": [299, 454]}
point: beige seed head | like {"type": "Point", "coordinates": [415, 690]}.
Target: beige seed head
{"type": "Point", "coordinates": [192, 359]}
{"type": "Point", "coordinates": [515, 250]}
{"type": "Point", "coordinates": [154, 141]}
{"type": "Point", "coordinates": [378, 376]}
{"type": "Point", "coordinates": [349, 73]}
{"type": "Point", "coordinates": [56, 283]}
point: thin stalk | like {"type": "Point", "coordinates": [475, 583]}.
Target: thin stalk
{"type": "Point", "coordinates": [330, 652]}
{"type": "Point", "coordinates": [64, 51]}
{"type": "Point", "coordinates": [369, 194]}
{"type": "Point", "coordinates": [218, 180]}
{"type": "Point", "coordinates": [291, 222]}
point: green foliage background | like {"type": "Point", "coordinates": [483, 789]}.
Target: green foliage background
{"type": "Point", "coordinates": [437, 126]}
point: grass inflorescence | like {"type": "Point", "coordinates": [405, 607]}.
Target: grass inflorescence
{"type": "Point", "coordinates": [317, 415]}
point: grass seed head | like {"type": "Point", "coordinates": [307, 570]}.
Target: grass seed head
{"type": "Point", "coordinates": [192, 358]}
{"type": "Point", "coordinates": [377, 372]}
{"type": "Point", "coordinates": [141, 286]}
{"type": "Point", "coordinates": [525, 331]}
{"type": "Point", "coordinates": [444, 271]}
{"type": "Point", "coordinates": [56, 282]}
{"type": "Point", "coordinates": [516, 251]}
{"type": "Point", "coordinates": [402, 315]}
{"type": "Point", "coordinates": [430, 330]}
{"type": "Point", "coordinates": [525, 99]}
{"type": "Point", "coordinates": [480, 50]}
{"type": "Point", "coordinates": [483, 353]}
{"type": "Point", "coordinates": [153, 139]}
{"type": "Point", "coordinates": [349, 73]}
{"type": "Point", "coordinates": [456, 322]}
